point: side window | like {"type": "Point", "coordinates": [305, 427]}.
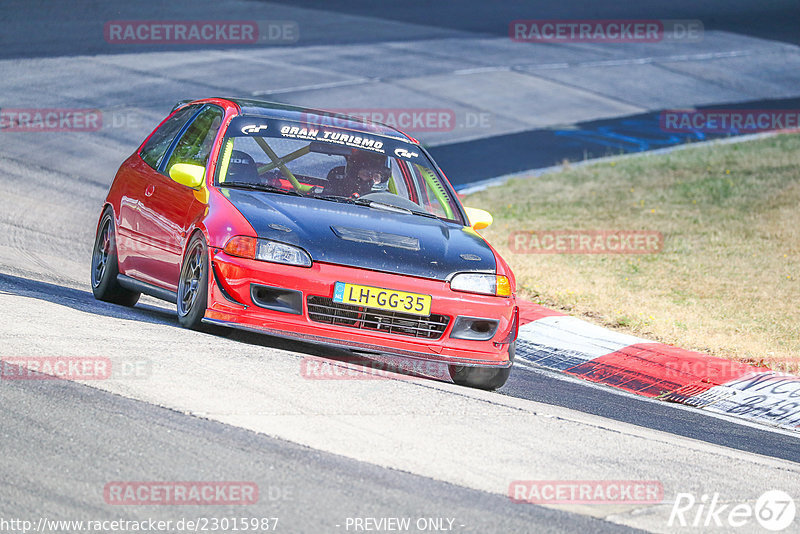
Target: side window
{"type": "Point", "coordinates": [153, 152]}
{"type": "Point", "coordinates": [198, 139]}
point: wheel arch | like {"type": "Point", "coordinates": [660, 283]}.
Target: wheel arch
{"type": "Point", "coordinates": [106, 206]}
{"type": "Point", "coordinates": [190, 234]}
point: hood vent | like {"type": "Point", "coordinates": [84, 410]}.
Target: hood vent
{"type": "Point", "coordinates": [363, 235]}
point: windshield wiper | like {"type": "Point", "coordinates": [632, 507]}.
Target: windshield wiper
{"type": "Point", "coordinates": [377, 204]}
{"type": "Point", "coordinates": [260, 187]}
{"type": "Point", "coordinates": [334, 198]}
{"type": "Point", "coordinates": [374, 203]}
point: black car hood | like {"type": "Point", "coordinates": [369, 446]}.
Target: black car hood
{"type": "Point", "coordinates": [364, 237]}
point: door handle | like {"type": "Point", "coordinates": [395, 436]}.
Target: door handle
{"type": "Point", "coordinates": [150, 190]}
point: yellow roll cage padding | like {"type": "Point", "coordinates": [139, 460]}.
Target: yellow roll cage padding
{"type": "Point", "coordinates": [285, 159]}
{"type": "Point", "coordinates": [226, 160]}
{"type": "Point", "coordinates": [277, 162]}
{"type": "Point", "coordinates": [436, 187]}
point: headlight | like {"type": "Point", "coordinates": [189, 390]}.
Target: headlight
{"type": "Point", "coordinates": [281, 253]}
{"type": "Point", "coordinates": [266, 250]}
{"type": "Point", "coordinates": [485, 284]}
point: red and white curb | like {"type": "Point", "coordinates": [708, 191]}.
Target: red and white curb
{"type": "Point", "coordinates": [569, 345]}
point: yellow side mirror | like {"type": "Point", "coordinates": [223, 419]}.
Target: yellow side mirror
{"type": "Point", "coordinates": [478, 219]}
{"type": "Point", "coordinates": [187, 174]}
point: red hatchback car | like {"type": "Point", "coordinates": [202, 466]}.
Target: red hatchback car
{"type": "Point", "coordinates": [310, 225]}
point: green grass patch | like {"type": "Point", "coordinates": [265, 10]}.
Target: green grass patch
{"type": "Point", "coordinates": [726, 280]}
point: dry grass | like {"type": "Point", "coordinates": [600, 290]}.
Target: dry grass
{"type": "Point", "coordinates": [727, 281]}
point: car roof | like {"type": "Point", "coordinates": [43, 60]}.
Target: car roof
{"type": "Point", "coordinates": [275, 110]}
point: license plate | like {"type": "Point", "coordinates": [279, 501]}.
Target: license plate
{"type": "Point", "coordinates": [382, 299]}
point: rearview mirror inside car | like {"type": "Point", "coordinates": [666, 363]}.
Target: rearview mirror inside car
{"type": "Point", "coordinates": [331, 150]}
{"type": "Point", "coordinates": [187, 174]}
{"type": "Point", "coordinates": [478, 219]}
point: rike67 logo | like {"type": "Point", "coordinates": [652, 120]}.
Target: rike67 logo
{"type": "Point", "coordinates": [774, 510]}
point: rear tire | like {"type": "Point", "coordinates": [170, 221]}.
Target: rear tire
{"type": "Point", "coordinates": [105, 266]}
{"type": "Point", "coordinates": [488, 378]}
{"type": "Point", "coordinates": [193, 284]}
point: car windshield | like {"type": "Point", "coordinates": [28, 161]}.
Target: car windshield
{"type": "Point", "coordinates": [334, 165]}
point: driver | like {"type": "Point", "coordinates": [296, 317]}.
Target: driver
{"type": "Point", "coordinates": [370, 171]}
{"type": "Point", "coordinates": [364, 173]}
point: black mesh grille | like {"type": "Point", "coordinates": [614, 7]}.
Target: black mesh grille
{"type": "Point", "coordinates": [325, 310]}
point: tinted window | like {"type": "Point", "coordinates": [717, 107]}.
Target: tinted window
{"type": "Point", "coordinates": [312, 166]}
{"type": "Point", "coordinates": [198, 139]}
{"type": "Point", "coordinates": [153, 151]}
{"type": "Point", "coordinates": [327, 170]}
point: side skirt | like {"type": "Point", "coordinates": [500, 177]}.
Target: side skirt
{"type": "Point", "coordinates": [133, 284]}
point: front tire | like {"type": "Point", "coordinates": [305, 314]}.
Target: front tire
{"type": "Point", "coordinates": [488, 378]}
{"type": "Point", "coordinates": [105, 266]}
{"type": "Point", "coordinates": [193, 284]}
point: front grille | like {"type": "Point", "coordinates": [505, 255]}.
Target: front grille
{"type": "Point", "coordinates": [325, 310]}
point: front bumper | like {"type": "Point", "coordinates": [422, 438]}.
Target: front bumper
{"type": "Point", "coordinates": [230, 304]}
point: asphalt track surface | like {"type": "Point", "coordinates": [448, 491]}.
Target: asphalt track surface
{"type": "Point", "coordinates": [526, 382]}
{"type": "Point", "coordinates": [28, 25]}
{"type": "Point", "coordinates": [52, 467]}
{"type": "Point", "coordinates": [466, 162]}
{"type": "Point", "coordinates": [768, 20]}
{"type": "Point", "coordinates": [234, 406]}
{"type": "Point", "coordinates": [63, 441]}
